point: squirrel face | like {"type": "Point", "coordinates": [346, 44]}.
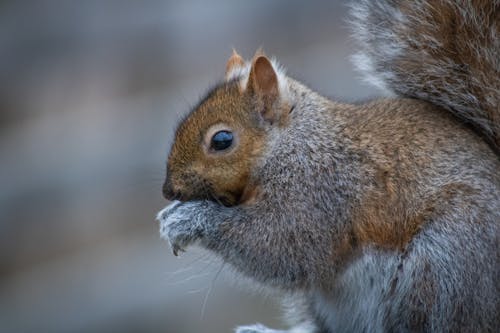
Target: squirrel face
{"type": "Point", "coordinates": [217, 146]}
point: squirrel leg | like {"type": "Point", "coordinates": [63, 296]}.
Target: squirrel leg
{"type": "Point", "coordinates": [258, 243]}
{"type": "Point", "coordinates": [182, 224]}
{"type": "Point", "coordinates": [253, 242]}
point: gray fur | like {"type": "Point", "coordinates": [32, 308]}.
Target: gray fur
{"type": "Point", "coordinates": [285, 240]}
{"type": "Point", "coordinates": [408, 53]}
{"type": "Point", "coordinates": [319, 171]}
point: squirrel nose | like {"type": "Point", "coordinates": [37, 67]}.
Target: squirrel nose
{"type": "Point", "coordinates": [168, 190]}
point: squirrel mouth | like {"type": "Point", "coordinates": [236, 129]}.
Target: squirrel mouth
{"type": "Point", "coordinates": [223, 198]}
{"type": "Point", "coordinates": [228, 199]}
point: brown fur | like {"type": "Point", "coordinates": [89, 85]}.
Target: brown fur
{"type": "Point", "coordinates": [224, 177]}
{"type": "Point", "coordinates": [397, 205]}
{"type": "Point", "coordinates": [235, 61]}
{"type": "Point", "coordinates": [447, 52]}
{"type": "Point", "coordinates": [379, 217]}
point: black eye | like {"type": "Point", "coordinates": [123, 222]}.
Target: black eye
{"type": "Point", "coordinates": [221, 140]}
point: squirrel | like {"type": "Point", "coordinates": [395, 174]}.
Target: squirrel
{"type": "Point", "coordinates": [381, 216]}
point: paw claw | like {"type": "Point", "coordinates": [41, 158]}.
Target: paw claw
{"type": "Point", "coordinates": [176, 249]}
{"type": "Point", "coordinates": [180, 224]}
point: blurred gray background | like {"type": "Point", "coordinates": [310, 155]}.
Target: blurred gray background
{"type": "Point", "coordinates": [90, 93]}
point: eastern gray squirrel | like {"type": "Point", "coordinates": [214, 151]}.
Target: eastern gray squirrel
{"type": "Point", "coordinates": [375, 217]}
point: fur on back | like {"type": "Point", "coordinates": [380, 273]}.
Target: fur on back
{"type": "Point", "coordinates": [445, 51]}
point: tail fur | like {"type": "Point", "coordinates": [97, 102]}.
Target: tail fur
{"type": "Point", "coordinates": [444, 51]}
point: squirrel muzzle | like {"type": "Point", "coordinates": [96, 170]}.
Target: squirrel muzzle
{"type": "Point", "coordinates": [167, 190]}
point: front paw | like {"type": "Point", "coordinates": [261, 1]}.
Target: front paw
{"type": "Point", "coordinates": [180, 224]}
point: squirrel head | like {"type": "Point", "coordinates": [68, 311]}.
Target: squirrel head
{"type": "Point", "coordinates": [217, 145]}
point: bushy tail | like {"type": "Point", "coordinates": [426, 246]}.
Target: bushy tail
{"type": "Point", "coordinates": [444, 51]}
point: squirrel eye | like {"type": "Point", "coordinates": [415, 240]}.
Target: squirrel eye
{"type": "Point", "coordinates": [221, 140]}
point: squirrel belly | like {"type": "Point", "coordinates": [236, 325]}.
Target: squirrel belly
{"type": "Point", "coordinates": [374, 217]}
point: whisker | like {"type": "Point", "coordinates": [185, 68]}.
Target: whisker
{"type": "Point", "coordinates": [187, 279]}
{"type": "Point", "coordinates": [212, 283]}
{"type": "Point", "coordinates": [189, 266]}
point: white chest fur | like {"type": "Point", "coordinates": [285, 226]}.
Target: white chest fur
{"type": "Point", "coordinates": [356, 303]}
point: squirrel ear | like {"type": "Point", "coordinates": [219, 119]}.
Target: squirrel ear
{"type": "Point", "coordinates": [263, 79]}
{"type": "Point", "coordinates": [263, 83]}
{"type": "Point", "coordinates": [235, 62]}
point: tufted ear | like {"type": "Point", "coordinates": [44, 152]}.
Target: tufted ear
{"type": "Point", "coordinates": [263, 79]}
{"type": "Point", "coordinates": [263, 83]}
{"type": "Point", "coordinates": [235, 62]}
